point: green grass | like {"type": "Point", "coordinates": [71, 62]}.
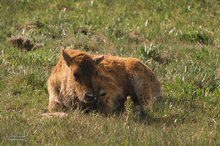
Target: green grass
{"type": "Point", "coordinates": [179, 40]}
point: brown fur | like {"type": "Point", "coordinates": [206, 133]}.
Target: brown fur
{"type": "Point", "coordinates": [71, 81]}
{"type": "Point", "coordinates": [117, 78]}
{"type": "Point", "coordinates": [132, 78]}
{"type": "Point", "coordinates": [110, 97]}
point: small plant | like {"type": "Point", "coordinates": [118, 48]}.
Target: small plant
{"type": "Point", "coordinates": [195, 34]}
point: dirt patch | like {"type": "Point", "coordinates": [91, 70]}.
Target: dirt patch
{"type": "Point", "coordinates": [135, 36]}
{"type": "Point", "coordinates": [99, 38]}
{"type": "Point", "coordinates": [52, 115]}
{"type": "Point", "coordinates": [23, 43]}
{"type": "Point", "coordinates": [161, 59]}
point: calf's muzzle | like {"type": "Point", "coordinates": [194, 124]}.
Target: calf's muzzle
{"type": "Point", "coordinates": [89, 96]}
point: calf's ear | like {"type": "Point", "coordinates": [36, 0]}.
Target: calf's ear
{"type": "Point", "coordinates": [98, 59]}
{"type": "Point", "coordinates": [66, 57]}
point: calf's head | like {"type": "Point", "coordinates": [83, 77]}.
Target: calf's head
{"type": "Point", "coordinates": [81, 73]}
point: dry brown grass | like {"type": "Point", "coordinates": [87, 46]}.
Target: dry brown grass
{"type": "Point", "coordinates": [24, 43]}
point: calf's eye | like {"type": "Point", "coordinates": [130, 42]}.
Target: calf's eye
{"type": "Point", "coordinates": [103, 94]}
{"type": "Point", "coordinates": [96, 74]}
{"type": "Point", "coordinates": [76, 76]}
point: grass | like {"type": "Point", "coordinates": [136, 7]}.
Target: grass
{"type": "Point", "coordinates": [179, 40]}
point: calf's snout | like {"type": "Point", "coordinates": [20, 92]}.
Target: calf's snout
{"type": "Point", "coordinates": [89, 96]}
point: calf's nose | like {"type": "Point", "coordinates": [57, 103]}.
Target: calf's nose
{"type": "Point", "coordinates": [89, 96]}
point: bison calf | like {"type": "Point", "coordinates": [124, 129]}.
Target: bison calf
{"type": "Point", "coordinates": [130, 78]}
{"type": "Point", "coordinates": [71, 81]}
{"type": "Point", "coordinates": [80, 80]}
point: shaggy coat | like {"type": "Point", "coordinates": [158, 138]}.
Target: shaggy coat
{"type": "Point", "coordinates": [70, 84]}
{"type": "Point", "coordinates": [133, 78]}
{"type": "Point", "coordinates": [108, 81]}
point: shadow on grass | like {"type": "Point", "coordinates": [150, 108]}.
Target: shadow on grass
{"type": "Point", "coordinates": [170, 111]}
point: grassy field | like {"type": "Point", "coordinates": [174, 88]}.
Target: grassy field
{"type": "Point", "coordinates": [179, 40]}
